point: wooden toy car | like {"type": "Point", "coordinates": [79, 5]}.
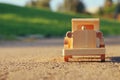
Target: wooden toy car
{"type": "Point", "coordinates": [85, 39]}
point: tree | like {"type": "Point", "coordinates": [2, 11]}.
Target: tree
{"type": "Point", "coordinates": [39, 3]}
{"type": "Point", "coordinates": [74, 5]}
{"type": "Point", "coordinates": [80, 7]}
{"type": "Point", "coordinates": [108, 3]}
{"type": "Point", "coordinates": [117, 10]}
{"type": "Point", "coordinates": [108, 8]}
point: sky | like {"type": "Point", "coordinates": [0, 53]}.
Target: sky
{"type": "Point", "coordinates": [15, 2]}
{"type": "Point", "coordinates": [90, 4]}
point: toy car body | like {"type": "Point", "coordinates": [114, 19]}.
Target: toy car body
{"type": "Point", "coordinates": [85, 39]}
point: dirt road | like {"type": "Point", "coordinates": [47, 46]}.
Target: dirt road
{"type": "Point", "coordinates": [42, 60]}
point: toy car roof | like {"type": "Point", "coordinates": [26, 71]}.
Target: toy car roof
{"type": "Point", "coordinates": [91, 23]}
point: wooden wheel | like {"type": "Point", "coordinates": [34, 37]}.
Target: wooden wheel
{"type": "Point", "coordinates": [66, 58]}
{"type": "Point", "coordinates": [103, 58]}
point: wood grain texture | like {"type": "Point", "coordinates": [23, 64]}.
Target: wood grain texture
{"type": "Point", "coordinates": [84, 51]}
{"type": "Point", "coordinates": [84, 39]}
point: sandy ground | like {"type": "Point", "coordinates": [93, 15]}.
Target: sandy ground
{"type": "Point", "coordinates": [42, 60]}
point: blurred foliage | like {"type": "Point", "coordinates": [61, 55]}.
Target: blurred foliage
{"type": "Point", "coordinates": [110, 10]}
{"type": "Point", "coordinates": [39, 3]}
{"type": "Point", "coordinates": [107, 12]}
{"type": "Point", "coordinates": [21, 21]}
{"type": "Point", "coordinates": [109, 7]}
{"type": "Point", "coordinates": [72, 6]}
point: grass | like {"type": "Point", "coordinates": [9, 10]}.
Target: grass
{"type": "Point", "coordinates": [23, 21]}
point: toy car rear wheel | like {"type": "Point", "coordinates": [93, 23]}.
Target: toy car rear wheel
{"type": "Point", "coordinates": [103, 58]}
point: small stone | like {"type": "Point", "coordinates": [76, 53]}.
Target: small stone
{"type": "Point", "coordinates": [116, 64]}
{"type": "Point", "coordinates": [53, 67]}
{"type": "Point", "coordinates": [119, 67]}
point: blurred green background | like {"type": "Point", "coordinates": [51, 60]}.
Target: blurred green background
{"type": "Point", "coordinates": [37, 19]}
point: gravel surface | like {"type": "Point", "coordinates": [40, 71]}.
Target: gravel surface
{"type": "Point", "coordinates": [42, 60]}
